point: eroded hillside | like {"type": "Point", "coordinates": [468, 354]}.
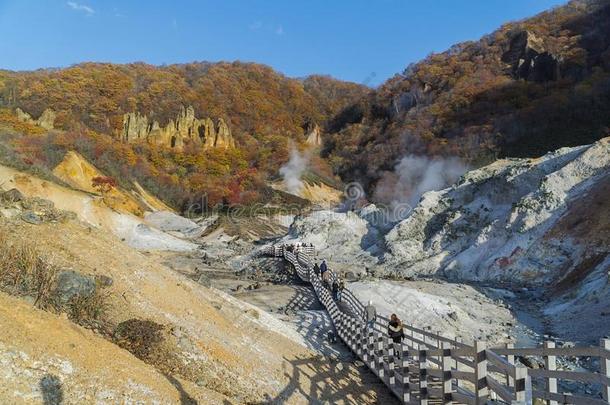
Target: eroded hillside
{"type": "Point", "coordinates": [97, 320]}
{"type": "Point", "coordinates": [529, 87]}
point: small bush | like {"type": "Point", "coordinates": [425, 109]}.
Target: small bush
{"type": "Point", "coordinates": [27, 273]}
{"type": "Point", "coordinates": [23, 271]}
{"type": "Point", "coordinates": [150, 342]}
{"type": "Point", "coordinates": [88, 310]}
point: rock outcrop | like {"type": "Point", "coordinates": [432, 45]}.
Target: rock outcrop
{"type": "Point", "coordinates": [345, 239]}
{"type": "Point", "coordinates": [184, 129]}
{"type": "Point", "coordinates": [46, 119]}
{"type": "Point", "coordinates": [530, 60]}
{"type": "Point", "coordinates": [313, 134]}
{"type": "Point", "coordinates": [507, 222]}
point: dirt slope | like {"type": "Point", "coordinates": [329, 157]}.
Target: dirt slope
{"type": "Point", "coordinates": [93, 210]}
{"type": "Point", "coordinates": [45, 358]}
{"type": "Point", "coordinates": [76, 171]}
{"type": "Point", "coordinates": [225, 345]}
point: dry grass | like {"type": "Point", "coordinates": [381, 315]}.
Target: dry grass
{"type": "Point", "coordinates": [150, 342]}
{"type": "Point", "coordinates": [88, 310]}
{"type": "Point", "coordinates": [25, 272]}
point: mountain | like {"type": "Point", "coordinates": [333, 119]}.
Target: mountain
{"type": "Point", "coordinates": [251, 98]}
{"type": "Point", "coordinates": [191, 133]}
{"type": "Point", "coordinates": [536, 224]}
{"type": "Point", "coordinates": [527, 88]}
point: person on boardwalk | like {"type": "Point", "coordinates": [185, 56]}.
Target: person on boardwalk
{"type": "Point", "coordinates": [323, 267]}
{"type": "Point", "coordinates": [340, 291]}
{"type": "Point", "coordinates": [335, 290]}
{"type": "Point", "coordinates": [325, 278]}
{"type": "Point", "coordinates": [370, 314]}
{"type": "Point", "coordinates": [396, 333]}
{"type": "Point", "coordinates": [325, 274]}
{"type": "Point", "coordinates": [316, 269]}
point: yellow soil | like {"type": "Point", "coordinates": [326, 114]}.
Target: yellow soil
{"type": "Point", "coordinates": [320, 194]}
{"type": "Point", "coordinates": [242, 352]}
{"type": "Point", "coordinates": [149, 200]}
{"type": "Point", "coordinates": [76, 171]}
{"type": "Point", "coordinates": [37, 345]}
{"type": "Point", "coordinates": [245, 358]}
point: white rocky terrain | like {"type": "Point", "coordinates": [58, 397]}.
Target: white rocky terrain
{"type": "Point", "coordinates": [451, 310]}
{"type": "Point", "coordinates": [537, 226]}
{"type": "Point", "coordinates": [505, 222]}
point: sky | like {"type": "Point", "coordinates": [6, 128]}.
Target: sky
{"type": "Point", "coordinates": [356, 40]}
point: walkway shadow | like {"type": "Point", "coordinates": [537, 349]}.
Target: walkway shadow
{"type": "Point", "coordinates": [185, 398]}
{"type": "Point", "coordinates": [319, 380]}
{"type": "Point", "coordinates": [52, 391]}
{"type": "Point", "coordinates": [304, 298]}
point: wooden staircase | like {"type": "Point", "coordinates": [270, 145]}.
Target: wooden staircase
{"type": "Point", "coordinates": [434, 369]}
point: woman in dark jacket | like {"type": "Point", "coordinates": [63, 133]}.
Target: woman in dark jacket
{"type": "Point", "coordinates": [396, 333]}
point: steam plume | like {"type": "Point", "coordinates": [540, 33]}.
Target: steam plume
{"type": "Point", "coordinates": [414, 175]}
{"type": "Point", "coordinates": [293, 170]}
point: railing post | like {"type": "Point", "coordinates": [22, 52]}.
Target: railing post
{"type": "Point", "coordinates": [446, 368]}
{"type": "Point", "coordinates": [439, 344]}
{"type": "Point", "coordinates": [481, 392]}
{"type": "Point", "coordinates": [406, 378]}
{"type": "Point", "coordinates": [371, 349]}
{"type": "Point", "coordinates": [510, 381]}
{"type": "Point", "coordinates": [379, 355]}
{"type": "Point", "coordinates": [351, 334]}
{"type": "Point", "coordinates": [550, 363]}
{"type": "Point", "coordinates": [423, 377]}
{"type": "Point", "coordinates": [390, 363]}
{"type": "Point", "coordinates": [604, 363]}
{"type": "Point", "coordinates": [360, 336]}
{"type": "Point", "coordinates": [457, 364]}
{"type": "Point", "coordinates": [340, 325]}
{"type": "Point", "coordinates": [521, 385]}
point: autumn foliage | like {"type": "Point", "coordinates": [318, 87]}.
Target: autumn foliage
{"type": "Point", "coordinates": [103, 184]}
{"type": "Point", "coordinates": [469, 102]}
{"type": "Point", "coordinates": [263, 108]}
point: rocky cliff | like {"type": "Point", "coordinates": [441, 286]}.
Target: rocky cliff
{"type": "Point", "coordinates": [183, 129]}
{"type": "Point", "coordinates": [313, 134]}
{"type": "Point", "coordinates": [530, 60]}
{"type": "Point", "coordinates": [521, 221]}
{"type": "Point", "coordinates": [46, 119]}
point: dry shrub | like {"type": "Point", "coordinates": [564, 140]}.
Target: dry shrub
{"type": "Point", "coordinates": [88, 310]}
{"type": "Point", "coordinates": [24, 272]}
{"type": "Point", "coordinates": [150, 342]}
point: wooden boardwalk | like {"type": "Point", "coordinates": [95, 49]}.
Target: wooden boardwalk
{"type": "Point", "coordinates": [428, 368]}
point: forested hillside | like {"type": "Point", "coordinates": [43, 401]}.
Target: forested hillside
{"type": "Point", "coordinates": [527, 88]}
{"type": "Point", "coordinates": [264, 110]}
{"type": "Point", "coordinates": [252, 98]}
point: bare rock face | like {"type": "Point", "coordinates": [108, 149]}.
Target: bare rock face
{"type": "Point", "coordinates": [224, 139]}
{"type": "Point", "coordinates": [186, 128]}
{"type": "Point", "coordinates": [514, 221]}
{"type": "Point", "coordinates": [135, 126]}
{"type": "Point", "coordinates": [313, 134]}
{"type": "Point", "coordinates": [530, 60]}
{"type": "Point", "coordinates": [23, 116]}
{"type": "Point", "coordinates": [207, 132]}
{"type": "Point", "coordinates": [46, 119]}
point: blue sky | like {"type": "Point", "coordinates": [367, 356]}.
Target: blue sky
{"type": "Point", "coordinates": [356, 40]}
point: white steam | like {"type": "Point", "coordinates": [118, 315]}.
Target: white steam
{"type": "Point", "coordinates": [293, 170]}
{"type": "Point", "coordinates": [414, 175]}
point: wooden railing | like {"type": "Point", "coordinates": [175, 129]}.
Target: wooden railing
{"type": "Point", "coordinates": [431, 368]}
